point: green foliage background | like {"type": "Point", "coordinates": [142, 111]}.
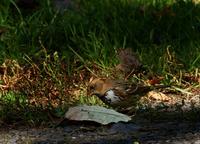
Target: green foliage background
{"type": "Point", "coordinates": [165, 34]}
{"type": "Point", "coordinates": [95, 29]}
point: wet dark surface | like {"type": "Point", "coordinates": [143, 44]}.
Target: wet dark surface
{"type": "Point", "coordinates": [166, 125]}
{"type": "Point", "coordinates": [144, 132]}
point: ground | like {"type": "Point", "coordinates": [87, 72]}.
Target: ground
{"type": "Point", "coordinates": [49, 51]}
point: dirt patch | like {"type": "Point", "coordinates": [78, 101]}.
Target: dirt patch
{"type": "Point", "coordinates": [141, 131]}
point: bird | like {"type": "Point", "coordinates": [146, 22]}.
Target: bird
{"type": "Point", "coordinates": [129, 62]}
{"type": "Point", "coordinates": [117, 93]}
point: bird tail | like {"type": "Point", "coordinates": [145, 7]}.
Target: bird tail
{"type": "Point", "coordinates": [141, 89]}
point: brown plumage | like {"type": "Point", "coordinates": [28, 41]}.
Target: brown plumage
{"type": "Point", "coordinates": [129, 61]}
{"type": "Point", "coordinates": [117, 93]}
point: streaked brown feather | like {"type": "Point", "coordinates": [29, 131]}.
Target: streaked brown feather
{"type": "Point", "coordinates": [128, 60]}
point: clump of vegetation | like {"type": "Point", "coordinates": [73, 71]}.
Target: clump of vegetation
{"type": "Point", "coordinates": [48, 54]}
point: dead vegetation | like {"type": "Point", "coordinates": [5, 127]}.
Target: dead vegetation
{"type": "Point", "coordinates": [43, 85]}
{"type": "Point", "coordinates": [47, 85]}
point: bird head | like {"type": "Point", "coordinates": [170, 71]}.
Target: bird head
{"type": "Point", "coordinates": [103, 88]}
{"type": "Point", "coordinates": [116, 93]}
{"type": "Point", "coordinates": [99, 86]}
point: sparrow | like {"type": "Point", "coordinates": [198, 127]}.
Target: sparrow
{"type": "Point", "coordinates": [116, 93]}
{"type": "Point", "coordinates": [129, 62]}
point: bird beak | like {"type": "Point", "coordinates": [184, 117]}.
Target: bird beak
{"type": "Point", "coordinates": [97, 94]}
{"type": "Point", "coordinates": [92, 93]}
{"type": "Point", "coordinates": [89, 93]}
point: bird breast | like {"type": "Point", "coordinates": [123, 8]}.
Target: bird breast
{"type": "Point", "coordinates": [111, 97]}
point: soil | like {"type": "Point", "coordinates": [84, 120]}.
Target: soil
{"type": "Point", "coordinates": [139, 131]}
{"type": "Point", "coordinates": [174, 121]}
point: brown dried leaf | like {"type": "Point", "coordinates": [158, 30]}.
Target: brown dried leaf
{"type": "Point", "coordinates": [158, 96]}
{"type": "Point", "coordinates": [155, 80]}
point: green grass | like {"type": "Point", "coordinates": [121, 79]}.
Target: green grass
{"type": "Point", "coordinates": [96, 29]}
{"type": "Point", "coordinates": [14, 108]}
{"type": "Point", "coordinates": [165, 35]}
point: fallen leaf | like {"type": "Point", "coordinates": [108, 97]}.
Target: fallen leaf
{"type": "Point", "coordinates": [97, 114]}
{"type": "Point", "coordinates": [155, 80]}
{"type": "Point", "coordinates": [158, 96]}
